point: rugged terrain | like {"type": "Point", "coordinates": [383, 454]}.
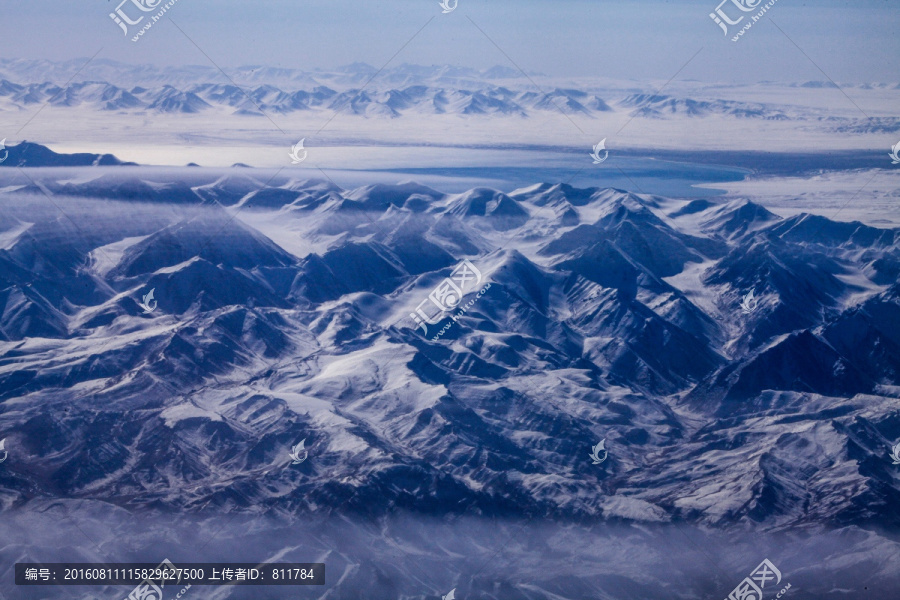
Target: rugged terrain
{"type": "Point", "coordinates": [283, 314]}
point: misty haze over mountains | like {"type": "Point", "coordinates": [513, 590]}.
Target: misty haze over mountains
{"type": "Point", "coordinates": [405, 90]}
{"type": "Point", "coordinates": [525, 301]}
{"type": "Point", "coordinates": [494, 333]}
{"type": "Point", "coordinates": [284, 314]}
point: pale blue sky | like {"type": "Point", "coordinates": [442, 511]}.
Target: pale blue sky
{"type": "Point", "coordinates": [851, 41]}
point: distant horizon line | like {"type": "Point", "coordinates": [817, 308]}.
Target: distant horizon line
{"type": "Point", "coordinates": [361, 67]}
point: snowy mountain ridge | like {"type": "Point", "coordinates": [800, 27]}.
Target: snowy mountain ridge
{"type": "Point", "coordinates": [360, 89]}
{"type": "Point", "coordinates": [284, 313]}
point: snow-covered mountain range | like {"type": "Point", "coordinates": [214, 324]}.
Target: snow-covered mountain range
{"type": "Point", "coordinates": [360, 89]}
{"type": "Point", "coordinates": [743, 368]}
{"type": "Point", "coordinates": [391, 102]}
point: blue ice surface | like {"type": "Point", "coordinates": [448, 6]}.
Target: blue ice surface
{"type": "Point", "coordinates": [672, 181]}
{"type": "Point", "coordinates": [667, 173]}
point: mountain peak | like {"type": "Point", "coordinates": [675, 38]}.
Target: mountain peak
{"type": "Point", "coordinates": [30, 154]}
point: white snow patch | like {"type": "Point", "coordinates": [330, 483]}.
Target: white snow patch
{"type": "Point", "coordinates": [105, 258]}
{"type": "Point", "coordinates": [10, 237]}
{"type": "Point", "coordinates": [633, 508]}
{"type": "Point", "coordinates": [186, 410]}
